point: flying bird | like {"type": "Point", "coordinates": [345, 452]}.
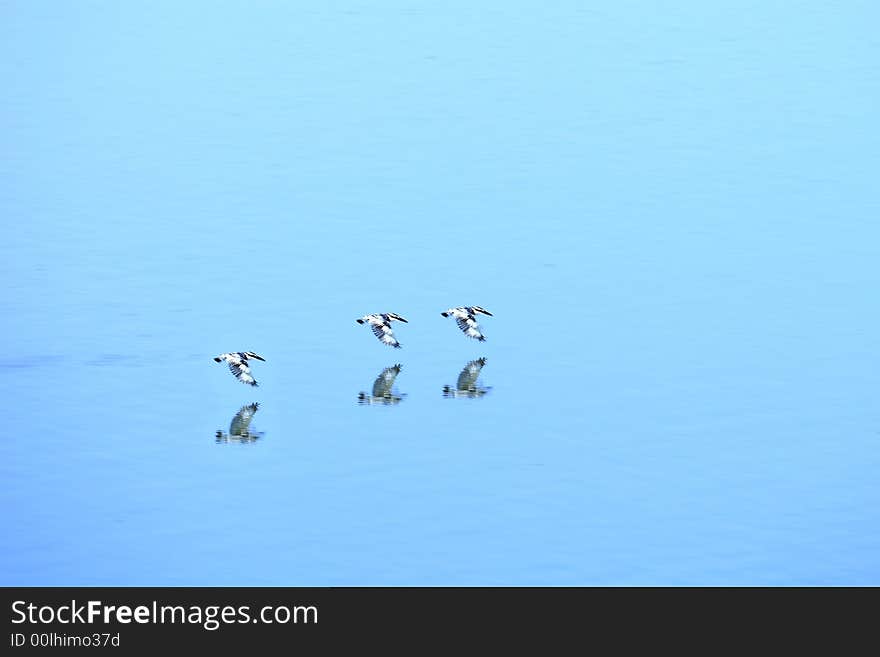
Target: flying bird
{"type": "Point", "coordinates": [466, 318]}
{"type": "Point", "coordinates": [381, 325]}
{"type": "Point", "coordinates": [239, 365]}
{"type": "Point", "coordinates": [466, 386]}
{"type": "Point", "coordinates": [239, 428]}
{"type": "Point", "coordinates": [382, 393]}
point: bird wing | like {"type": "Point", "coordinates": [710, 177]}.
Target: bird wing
{"type": "Point", "coordinates": [242, 372]}
{"type": "Point", "coordinates": [385, 335]}
{"type": "Point", "coordinates": [382, 384]}
{"type": "Point", "coordinates": [242, 420]}
{"type": "Point", "coordinates": [468, 377]}
{"type": "Point", "coordinates": [469, 327]}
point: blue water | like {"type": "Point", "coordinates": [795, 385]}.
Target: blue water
{"type": "Point", "coordinates": [670, 209]}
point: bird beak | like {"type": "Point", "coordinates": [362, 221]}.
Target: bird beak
{"type": "Point", "coordinates": [259, 358]}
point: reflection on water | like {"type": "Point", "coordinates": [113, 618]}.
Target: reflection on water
{"type": "Point", "coordinates": [466, 386]}
{"type": "Point", "coordinates": [382, 393]}
{"type": "Point", "coordinates": [239, 428]}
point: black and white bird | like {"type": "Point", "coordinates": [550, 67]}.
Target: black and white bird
{"type": "Point", "coordinates": [382, 388]}
{"type": "Point", "coordinates": [239, 365]}
{"type": "Point", "coordinates": [239, 428]}
{"type": "Point", "coordinates": [381, 325]}
{"type": "Point", "coordinates": [466, 318]}
{"type": "Point", "coordinates": [466, 386]}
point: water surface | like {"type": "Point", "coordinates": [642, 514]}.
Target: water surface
{"type": "Point", "coordinates": [670, 211]}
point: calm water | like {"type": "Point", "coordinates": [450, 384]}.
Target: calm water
{"type": "Point", "coordinates": [671, 212]}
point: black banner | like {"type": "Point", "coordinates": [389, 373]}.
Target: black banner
{"type": "Point", "coordinates": [125, 619]}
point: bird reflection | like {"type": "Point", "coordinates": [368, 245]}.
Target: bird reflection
{"type": "Point", "coordinates": [466, 386]}
{"type": "Point", "coordinates": [239, 428]}
{"type": "Point", "coordinates": [382, 393]}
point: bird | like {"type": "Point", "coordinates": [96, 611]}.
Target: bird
{"type": "Point", "coordinates": [382, 388]}
{"type": "Point", "coordinates": [381, 325]}
{"type": "Point", "coordinates": [466, 318]}
{"type": "Point", "coordinates": [239, 366]}
{"type": "Point", "coordinates": [239, 431]}
{"type": "Point", "coordinates": [466, 386]}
